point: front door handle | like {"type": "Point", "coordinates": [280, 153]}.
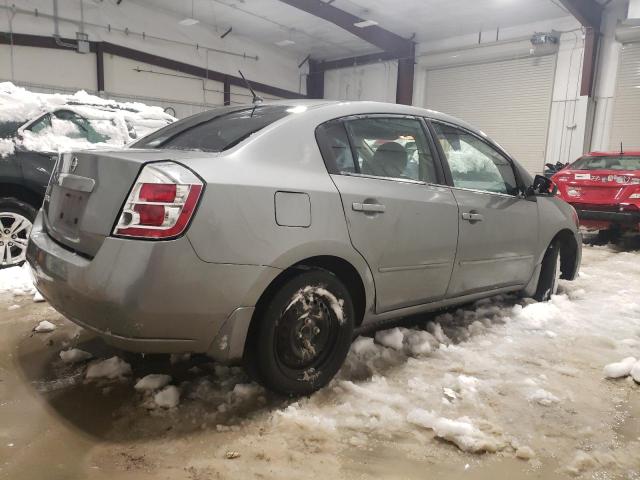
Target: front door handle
{"type": "Point", "coordinates": [368, 207]}
{"type": "Point", "coordinates": [472, 217]}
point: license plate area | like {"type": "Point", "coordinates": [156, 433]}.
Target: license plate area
{"type": "Point", "coordinates": [65, 213]}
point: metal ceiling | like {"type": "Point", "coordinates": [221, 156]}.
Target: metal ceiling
{"type": "Point", "coordinates": [272, 21]}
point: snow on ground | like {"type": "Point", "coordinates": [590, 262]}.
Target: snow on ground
{"type": "Point", "coordinates": [522, 379]}
{"type": "Point", "coordinates": [153, 381]}
{"type": "Point", "coordinates": [74, 355]}
{"type": "Point", "coordinates": [17, 280]}
{"type": "Point", "coordinates": [44, 326]}
{"type": "Point", "coordinates": [111, 368]}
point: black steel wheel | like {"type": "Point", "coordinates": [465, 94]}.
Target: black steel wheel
{"type": "Point", "coordinates": [304, 334]}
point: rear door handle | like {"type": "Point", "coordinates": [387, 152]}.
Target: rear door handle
{"type": "Point", "coordinates": [472, 217]}
{"type": "Point", "coordinates": [368, 207]}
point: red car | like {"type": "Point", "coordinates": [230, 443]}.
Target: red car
{"type": "Point", "coordinates": [604, 188]}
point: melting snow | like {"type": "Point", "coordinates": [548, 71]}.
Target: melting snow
{"type": "Point", "coordinates": [153, 381]}
{"type": "Point", "coordinates": [17, 280]}
{"type": "Point", "coordinates": [74, 355]}
{"type": "Point", "coordinates": [111, 368]}
{"type": "Point", "coordinates": [619, 369]}
{"type": "Point", "coordinates": [169, 397]}
{"type": "Point", "coordinates": [44, 326]}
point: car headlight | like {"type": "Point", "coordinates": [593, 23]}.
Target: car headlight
{"type": "Point", "coordinates": [634, 195]}
{"type": "Point", "coordinates": [573, 192]}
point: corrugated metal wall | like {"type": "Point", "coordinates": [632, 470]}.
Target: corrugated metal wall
{"type": "Point", "coordinates": [509, 100]}
{"type": "Point", "coordinates": [626, 109]}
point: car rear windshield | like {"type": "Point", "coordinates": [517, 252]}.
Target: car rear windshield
{"type": "Point", "coordinates": [214, 131]}
{"type": "Point", "coordinates": [613, 162]}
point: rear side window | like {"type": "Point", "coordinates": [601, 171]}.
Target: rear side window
{"type": "Point", "coordinates": [334, 146]}
{"type": "Point", "coordinates": [392, 147]}
{"type": "Point", "coordinates": [218, 133]}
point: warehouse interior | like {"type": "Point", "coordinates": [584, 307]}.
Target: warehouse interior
{"type": "Point", "coordinates": [548, 80]}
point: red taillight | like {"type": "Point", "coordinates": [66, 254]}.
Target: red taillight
{"type": "Point", "coordinates": [158, 192]}
{"type": "Point", "coordinates": [161, 202]}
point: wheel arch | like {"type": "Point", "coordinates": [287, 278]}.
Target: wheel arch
{"type": "Point", "coordinates": [14, 190]}
{"type": "Point", "coordinates": [342, 268]}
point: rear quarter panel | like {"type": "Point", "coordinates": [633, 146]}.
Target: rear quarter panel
{"type": "Point", "coordinates": [236, 220]}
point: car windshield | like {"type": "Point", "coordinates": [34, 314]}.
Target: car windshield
{"type": "Point", "coordinates": [217, 133]}
{"type": "Point", "coordinates": [613, 162]}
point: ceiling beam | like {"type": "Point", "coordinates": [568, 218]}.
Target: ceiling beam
{"type": "Point", "coordinates": [375, 35]}
{"type": "Point", "coordinates": [587, 12]}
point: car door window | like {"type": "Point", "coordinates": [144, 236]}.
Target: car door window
{"type": "Point", "coordinates": [392, 148]}
{"type": "Point", "coordinates": [41, 124]}
{"type": "Point", "coordinates": [73, 125]}
{"type": "Point", "coordinates": [473, 163]}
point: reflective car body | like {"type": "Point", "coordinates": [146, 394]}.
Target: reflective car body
{"type": "Point", "coordinates": [309, 185]}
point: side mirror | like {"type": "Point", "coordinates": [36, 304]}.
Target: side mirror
{"type": "Point", "coordinates": [543, 187]}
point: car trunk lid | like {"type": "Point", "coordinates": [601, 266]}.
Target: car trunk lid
{"type": "Point", "coordinates": [87, 191]}
{"type": "Point", "coordinates": [606, 187]}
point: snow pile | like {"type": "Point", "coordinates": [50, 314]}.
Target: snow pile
{"type": "Point", "coordinates": [74, 355]}
{"type": "Point", "coordinates": [623, 368]}
{"type": "Point", "coordinates": [7, 147]}
{"type": "Point", "coordinates": [460, 432]}
{"type": "Point", "coordinates": [168, 397]}
{"type": "Point", "coordinates": [543, 397]}
{"type": "Point", "coordinates": [38, 298]}
{"type": "Point", "coordinates": [153, 381]}
{"type": "Point", "coordinates": [44, 327]}
{"type": "Point", "coordinates": [111, 123]}
{"type": "Point", "coordinates": [17, 280]}
{"type": "Point", "coordinates": [111, 368]}
{"type": "Point", "coordinates": [619, 369]}
{"type": "Point", "coordinates": [494, 374]}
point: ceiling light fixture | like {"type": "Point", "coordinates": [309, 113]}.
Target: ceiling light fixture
{"type": "Point", "coordinates": [365, 23]}
{"type": "Point", "coordinates": [189, 21]}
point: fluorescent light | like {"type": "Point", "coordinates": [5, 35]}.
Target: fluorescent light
{"type": "Point", "coordinates": [284, 43]}
{"type": "Point", "coordinates": [365, 23]}
{"type": "Point", "coordinates": [187, 22]}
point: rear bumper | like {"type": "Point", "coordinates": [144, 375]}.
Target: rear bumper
{"type": "Point", "coordinates": [627, 219]}
{"type": "Point", "coordinates": [152, 297]}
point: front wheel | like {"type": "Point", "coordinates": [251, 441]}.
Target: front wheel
{"type": "Point", "coordinates": [549, 273]}
{"type": "Point", "coordinates": [304, 334]}
{"type": "Point", "coordinates": [16, 220]}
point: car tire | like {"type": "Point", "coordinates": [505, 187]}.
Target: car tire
{"type": "Point", "coordinates": [304, 334]}
{"type": "Point", "coordinates": [12, 211]}
{"type": "Point", "coordinates": [549, 273]}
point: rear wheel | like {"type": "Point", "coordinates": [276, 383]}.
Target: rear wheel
{"type": "Point", "coordinates": [304, 334]}
{"type": "Point", "coordinates": [16, 220]}
{"type": "Point", "coordinates": [549, 273]}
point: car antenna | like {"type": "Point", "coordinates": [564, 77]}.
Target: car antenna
{"type": "Point", "coordinates": [621, 150]}
{"type": "Point", "coordinates": [256, 98]}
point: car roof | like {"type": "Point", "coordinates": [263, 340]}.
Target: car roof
{"type": "Point", "coordinates": [632, 153]}
{"type": "Point", "coordinates": [341, 108]}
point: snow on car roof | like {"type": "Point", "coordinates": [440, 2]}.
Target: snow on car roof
{"type": "Point", "coordinates": [18, 104]}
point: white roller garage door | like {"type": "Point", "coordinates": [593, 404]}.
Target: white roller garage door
{"type": "Point", "coordinates": [509, 100]}
{"type": "Point", "coordinates": [626, 109]}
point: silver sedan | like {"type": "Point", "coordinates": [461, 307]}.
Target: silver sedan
{"type": "Point", "coordinates": [270, 234]}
